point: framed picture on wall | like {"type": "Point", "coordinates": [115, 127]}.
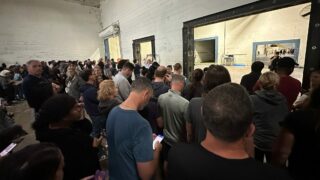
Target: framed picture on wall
{"type": "Point", "coordinates": [264, 51]}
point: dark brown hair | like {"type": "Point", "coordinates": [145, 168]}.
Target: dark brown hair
{"type": "Point", "coordinates": [215, 76]}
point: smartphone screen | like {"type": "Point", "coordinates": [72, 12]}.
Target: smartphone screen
{"type": "Point", "coordinates": [159, 138]}
{"type": "Point", "coordinates": [8, 149]}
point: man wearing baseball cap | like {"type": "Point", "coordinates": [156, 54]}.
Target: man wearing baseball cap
{"type": "Point", "coordinates": [288, 86]}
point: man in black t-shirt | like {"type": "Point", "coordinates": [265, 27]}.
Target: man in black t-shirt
{"type": "Point", "coordinates": [223, 154]}
{"type": "Point", "coordinates": [158, 85]}
{"type": "Point", "coordinates": [36, 88]}
{"type": "Point", "coordinates": [136, 69]}
{"type": "Point", "coordinates": [249, 80]}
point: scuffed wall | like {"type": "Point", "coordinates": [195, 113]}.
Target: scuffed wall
{"type": "Point", "coordinates": [161, 18]}
{"type": "Point", "coordinates": [48, 29]}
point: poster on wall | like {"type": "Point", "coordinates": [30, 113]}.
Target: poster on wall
{"type": "Point", "coordinates": [266, 51]}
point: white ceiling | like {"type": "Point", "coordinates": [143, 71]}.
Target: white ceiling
{"type": "Point", "coordinates": [92, 3]}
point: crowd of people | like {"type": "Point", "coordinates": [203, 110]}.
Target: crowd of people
{"type": "Point", "coordinates": [86, 113]}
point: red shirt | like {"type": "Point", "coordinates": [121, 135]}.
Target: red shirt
{"type": "Point", "coordinates": [290, 88]}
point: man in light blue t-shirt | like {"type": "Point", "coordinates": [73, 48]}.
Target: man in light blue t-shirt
{"type": "Point", "coordinates": [129, 137]}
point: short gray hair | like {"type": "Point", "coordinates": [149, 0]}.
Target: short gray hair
{"type": "Point", "coordinates": [177, 78]}
{"type": "Point", "coordinates": [141, 84]}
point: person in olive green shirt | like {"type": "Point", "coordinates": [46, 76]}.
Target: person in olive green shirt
{"type": "Point", "coordinates": [173, 108]}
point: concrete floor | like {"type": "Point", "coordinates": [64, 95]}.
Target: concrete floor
{"type": "Point", "coordinates": [23, 115]}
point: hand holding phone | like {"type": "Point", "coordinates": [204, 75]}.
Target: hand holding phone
{"type": "Point", "coordinates": [8, 149]}
{"type": "Point", "coordinates": [159, 138]}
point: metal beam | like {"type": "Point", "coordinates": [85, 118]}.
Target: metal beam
{"type": "Point", "coordinates": [312, 60]}
{"type": "Point", "coordinates": [245, 10]}
{"type": "Point", "coordinates": [188, 50]}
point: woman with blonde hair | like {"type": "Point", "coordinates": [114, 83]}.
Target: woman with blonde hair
{"type": "Point", "coordinates": [107, 97]}
{"type": "Point", "coordinates": [270, 107]}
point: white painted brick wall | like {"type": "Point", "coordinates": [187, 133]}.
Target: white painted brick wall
{"type": "Point", "coordinates": [48, 29]}
{"type": "Point", "coordinates": [162, 18]}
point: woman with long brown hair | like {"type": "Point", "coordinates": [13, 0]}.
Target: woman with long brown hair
{"type": "Point", "coordinates": [195, 88]}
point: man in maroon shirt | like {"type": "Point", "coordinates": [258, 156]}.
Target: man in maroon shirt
{"type": "Point", "coordinates": [288, 86]}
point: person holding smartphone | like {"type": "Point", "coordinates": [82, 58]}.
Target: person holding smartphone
{"type": "Point", "coordinates": [129, 136]}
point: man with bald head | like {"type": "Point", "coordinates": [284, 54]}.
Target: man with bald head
{"type": "Point", "coordinates": [36, 88]}
{"type": "Point", "coordinates": [151, 111]}
{"type": "Point", "coordinates": [158, 85]}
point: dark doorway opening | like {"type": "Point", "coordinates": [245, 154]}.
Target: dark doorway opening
{"type": "Point", "coordinates": [144, 48]}
{"type": "Point", "coordinates": [206, 50]}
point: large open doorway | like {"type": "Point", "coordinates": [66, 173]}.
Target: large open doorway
{"type": "Point", "coordinates": [144, 49]}
{"type": "Point", "coordinates": [111, 37]}
{"type": "Point", "coordinates": [255, 32]}
{"type": "Point", "coordinates": [114, 51]}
